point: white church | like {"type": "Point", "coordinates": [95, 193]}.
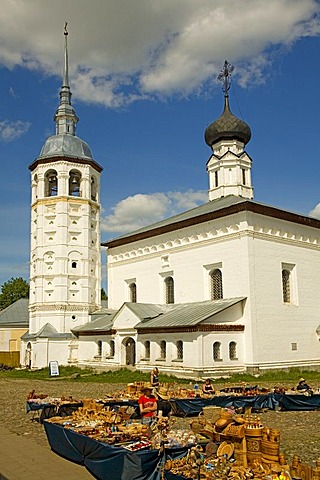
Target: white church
{"type": "Point", "coordinates": [229, 286]}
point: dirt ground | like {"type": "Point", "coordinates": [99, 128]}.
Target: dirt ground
{"type": "Point", "coordinates": [300, 431]}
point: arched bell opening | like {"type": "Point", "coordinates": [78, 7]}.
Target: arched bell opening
{"type": "Point", "coordinates": [74, 183]}
{"type": "Point", "coordinates": [51, 183]}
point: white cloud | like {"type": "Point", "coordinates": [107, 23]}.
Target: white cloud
{"type": "Point", "coordinates": [121, 50]}
{"type": "Point", "coordinates": [12, 130]}
{"type": "Point", "coordinates": [315, 212]}
{"type": "Point", "coordinates": [140, 210]}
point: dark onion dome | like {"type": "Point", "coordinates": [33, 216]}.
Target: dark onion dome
{"type": "Point", "coordinates": [227, 127]}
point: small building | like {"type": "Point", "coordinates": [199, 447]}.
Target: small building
{"type": "Point", "coordinates": [14, 322]}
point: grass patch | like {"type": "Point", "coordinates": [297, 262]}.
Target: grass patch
{"type": "Point", "coordinates": [127, 376]}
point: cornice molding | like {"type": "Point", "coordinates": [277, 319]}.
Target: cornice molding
{"type": "Point", "coordinates": [246, 206]}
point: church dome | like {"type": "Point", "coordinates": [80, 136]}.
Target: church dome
{"type": "Point", "coordinates": [65, 145]}
{"type": "Point", "coordinates": [227, 127]}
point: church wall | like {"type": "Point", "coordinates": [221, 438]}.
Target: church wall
{"type": "Point", "coordinates": [188, 255]}
{"type": "Point", "coordinates": [46, 350]}
{"type": "Point", "coordinates": [285, 333]}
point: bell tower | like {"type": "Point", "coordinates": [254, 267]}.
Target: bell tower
{"type": "Point", "coordinates": [65, 267]}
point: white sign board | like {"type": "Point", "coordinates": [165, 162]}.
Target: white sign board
{"type": "Point", "coordinates": [54, 368]}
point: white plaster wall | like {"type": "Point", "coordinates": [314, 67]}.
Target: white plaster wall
{"type": "Point", "coordinates": [250, 250]}
{"type": "Point", "coordinates": [44, 351]}
{"type": "Point", "coordinates": [276, 325]}
{"type": "Point", "coordinates": [182, 254]}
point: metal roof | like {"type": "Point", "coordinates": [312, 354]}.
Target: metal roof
{"type": "Point", "coordinates": [99, 322]}
{"type": "Point", "coordinates": [16, 314]}
{"type": "Point", "coordinates": [203, 213]}
{"type": "Point", "coordinates": [187, 314]}
{"type": "Point", "coordinates": [208, 207]}
{"type": "Point", "coordinates": [47, 331]}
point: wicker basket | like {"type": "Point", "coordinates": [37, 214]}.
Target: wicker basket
{"type": "Point", "coordinates": [196, 426]}
{"type": "Point", "coordinates": [211, 413]}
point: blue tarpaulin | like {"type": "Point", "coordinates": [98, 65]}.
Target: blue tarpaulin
{"type": "Point", "coordinates": [193, 406]}
{"type": "Point", "coordinates": [106, 462]}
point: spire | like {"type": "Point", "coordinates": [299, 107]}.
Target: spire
{"type": "Point", "coordinates": [66, 64]}
{"type": "Point", "coordinates": [65, 117]}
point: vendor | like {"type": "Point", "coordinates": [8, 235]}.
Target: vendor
{"type": "Point", "coordinates": [208, 388]}
{"type": "Point", "coordinates": [147, 404]}
{"type": "Point", "coordinates": [164, 406]}
{"type": "Point", "coordinates": [302, 385]}
{"type": "Point", "coordinates": [154, 378]}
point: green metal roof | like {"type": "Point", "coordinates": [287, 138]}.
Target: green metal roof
{"type": "Point", "coordinates": [185, 315]}
{"type": "Point", "coordinates": [101, 321]}
{"type": "Point", "coordinates": [16, 315]}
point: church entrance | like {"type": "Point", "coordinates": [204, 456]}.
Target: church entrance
{"type": "Point", "coordinates": [130, 346]}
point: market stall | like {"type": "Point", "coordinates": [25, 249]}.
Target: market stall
{"type": "Point", "coordinates": [184, 407]}
{"type": "Point", "coordinates": [221, 444]}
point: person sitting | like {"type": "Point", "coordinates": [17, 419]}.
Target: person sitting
{"type": "Point", "coordinates": [154, 378]}
{"type": "Point", "coordinates": [302, 385]}
{"type": "Point", "coordinates": [147, 404]}
{"type": "Point", "coordinates": [208, 388]}
{"type": "Point", "coordinates": [164, 406]}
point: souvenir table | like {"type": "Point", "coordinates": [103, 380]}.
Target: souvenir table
{"type": "Point", "coordinates": [184, 407]}
{"type": "Point", "coordinates": [107, 462]}
{"type": "Point", "coordinates": [49, 410]}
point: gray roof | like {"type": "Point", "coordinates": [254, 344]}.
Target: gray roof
{"type": "Point", "coordinates": [16, 315]}
{"type": "Point", "coordinates": [47, 331]}
{"type": "Point", "coordinates": [208, 207]}
{"type": "Point", "coordinates": [181, 315]}
{"type": "Point", "coordinates": [65, 144]}
{"type": "Point", "coordinates": [101, 321]}
{"type": "Point", "coordinates": [208, 211]}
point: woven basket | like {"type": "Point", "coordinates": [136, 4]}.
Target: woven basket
{"type": "Point", "coordinates": [211, 414]}
{"type": "Point", "coordinates": [196, 427]}
{"type": "Point", "coordinates": [202, 419]}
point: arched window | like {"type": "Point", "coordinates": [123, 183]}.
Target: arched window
{"type": "Point", "coordinates": [51, 184]}
{"type": "Point", "coordinates": [169, 290]}
{"type": "Point", "coordinates": [216, 351]}
{"type": "Point", "coordinates": [99, 343]}
{"type": "Point", "coordinates": [163, 349]}
{"type": "Point", "coordinates": [133, 292]}
{"type": "Point", "coordinates": [74, 183]}
{"type": "Point", "coordinates": [73, 264]}
{"type": "Point", "coordinates": [216, 284]}
{"type": "Point", "coordinates": [93, 189]}
{"type": "Point", "coordinates": [233, 351]}
{"type": "Point", "coordinates": [112, 348]}
{"type": "Point", "coordinates": [179, 346]}
{"type": "Point", "coordinates": [286, 286]}
{"type": "Point", "coordinates": [147, 350]}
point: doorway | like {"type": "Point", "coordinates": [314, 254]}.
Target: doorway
{"type": "Point", "coordinates": [130, 346]}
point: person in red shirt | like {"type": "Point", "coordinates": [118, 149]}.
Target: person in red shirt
{"type": "Point", "coordinates": [147, 404]}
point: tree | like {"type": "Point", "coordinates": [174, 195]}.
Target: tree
{"type": "Point", "coordinates": [104, 296]}
{"type": "Point", "coordinates": [13, 290]}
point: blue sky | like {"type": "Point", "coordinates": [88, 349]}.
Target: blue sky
{"type": "Point", "coordinates": [143, 77]}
